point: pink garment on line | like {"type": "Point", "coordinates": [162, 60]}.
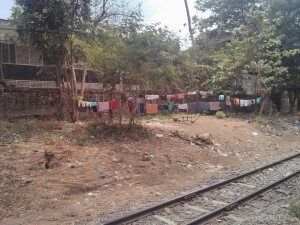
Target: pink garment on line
{"type": "Point", "coordinates": [103, 106]}
{"type": "Point", "coordinates": [171, 96]}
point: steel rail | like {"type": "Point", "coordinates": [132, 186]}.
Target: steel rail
{"type": "Point", "coordinates": [137, 214]}
{"type": "Point", "coordinates": [231, 206]}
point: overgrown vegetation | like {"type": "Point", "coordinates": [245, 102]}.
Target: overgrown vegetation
{"type": "Point", "coordinates": [101, 131]}
{"type": "Point", "coordinates": [79, 134]}
{"type": "Point", "coordinates": [240, 42]}
{"type": "Point", "coordinates": [16, 129]}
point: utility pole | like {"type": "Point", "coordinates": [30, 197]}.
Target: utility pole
{"type": "Point", "coordinates": [189, 23]}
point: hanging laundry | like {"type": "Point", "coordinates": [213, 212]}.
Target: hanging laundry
{"type": "Point", "coordinates": [242, 102]}
{"type": "Point", "coordinates": [214, 106]}
{"type": "Point", "coordinates": [228, 103]}
{"type": "Point", "coordinates": [227, 98]}
{"type": "Point", "coordinates": [151, 108]}
{"type": "Point", "coordinates": [203, 106]}
{"type": "Point", "coordinates": [221, 97]}
{"type": "Point", "coordinates": [192, 93]}
{"type": "Point", "coordinates": [84, 103]}
{"type": "Point", "coordinates": [203, 92]}
{"type": "Point", "coordinates": [151, 97]}
{"type": "Point", "coordinates": [163, 107]}
{"type": "Point", "coordinates": [182, 107]}
{"type": "Point", "coordinates": [103, 106]}
{"type": "Point", "coordinates": [113, 104]}
{"type": "Point", "coordinates": [141, 100]}
{"type": "Point", "coordinates": [81, 103]}
{"type": "Point", "coordinates": [88, 104]}
{"type": "Point", "coordinates": [222, 105]}
{"type": "Point", "coordinates": [94, 104]}
{"type": "Point", "coordinates": [163, 97]}
{"type": "Point", "coordinates": [171, 96]}
{"type": "Point", "coordinates": [181, 95]}
{"type": "Point", "coordinates": [140, 108]}
{"type": "Point", "coordinates": [192, 107]}
{"type": "Point", "coordinates": [245, 103]}
{"type": "Point", "coordinates": [236, 101]}
{"type": "Point", "coordinates": [172, 107]}
{"type": "Point", "coordinates": [130, 105]}
{"type": "Point", "coordinates": [95, 108]}
{"type": "Point", "coordinates": [258, 100]}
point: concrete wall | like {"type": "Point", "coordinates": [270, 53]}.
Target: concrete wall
{"type": "Point", "coordinates": [16, 103]}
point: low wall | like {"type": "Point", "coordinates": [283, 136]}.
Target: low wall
{"type": "Point", "coordinates": [16, 103]}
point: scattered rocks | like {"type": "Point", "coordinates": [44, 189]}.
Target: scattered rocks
{"type": "Point", "coordinates": [71, 165]}
{"type": "Point", "coordinates": [159, 135]}
{"type": "Point", "coordinates": [205, 138]}
{"type": "Point", "coordinates": [281, 191]}
{"type": "Point", "coordinates": [116, 159]}
{"type": "Point", "coordinates": [146, 157]}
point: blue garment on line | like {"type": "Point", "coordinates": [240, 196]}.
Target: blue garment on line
{"type": "Point", "coordinates": [203, 106]}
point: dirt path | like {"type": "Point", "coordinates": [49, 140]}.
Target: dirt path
{"type": "Point", "coordinates": [92, 183]}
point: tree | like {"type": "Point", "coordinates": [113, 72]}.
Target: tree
{"type": "Point", "coordinates": [52, 26]}
{"type": "Point", "coordinates": [253, 51]}
{"type": "Point", "coordinates": [224, 17]}
{"type": "Point", "coordinates": [290, 11]}
{"type": "Point", "coordinates": [227, 15]}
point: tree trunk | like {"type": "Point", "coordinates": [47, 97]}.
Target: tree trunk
{"type": "Point", "coordinates": [84, 73]}
{"type": "Point", "coordinates": [266, 98]}
{"type": "Point", "coordinates": [293, 97]}
{"type": "Point", "coordinates": [74, 112]}
{"type": "Point", "coordinates": [121, 100]}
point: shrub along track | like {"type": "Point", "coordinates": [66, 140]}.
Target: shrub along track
{"type": "Point", "coordinates": [209, 202]}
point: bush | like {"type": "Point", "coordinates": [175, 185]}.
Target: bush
{"type": "Point", "coordinates": [103, 130]}
{"type": "Point", "coordinates": [220, 115]}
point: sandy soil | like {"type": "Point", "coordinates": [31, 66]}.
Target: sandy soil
{"type": "Point", "coordinates": [92, 183]}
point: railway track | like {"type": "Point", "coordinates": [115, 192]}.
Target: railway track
{"type": "Point", "coordinates": [211, 201]}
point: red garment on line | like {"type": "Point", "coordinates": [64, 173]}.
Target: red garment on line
{"type": "Point", "coordinates": [113, 104]}
{"type": "Point", "coordinates": [130, 105]}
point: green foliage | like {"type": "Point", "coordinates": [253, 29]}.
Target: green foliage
{"type": "Point", "coordinates": [295, 208]}
{"type": "Point", "coordinates": [250, 39]}
{"type": "Point", "coordinates": [226, 14]}
{"type": "Point", "coordinates": [220, 115]}
{"type": "Point", "coordinates": [253, 51]}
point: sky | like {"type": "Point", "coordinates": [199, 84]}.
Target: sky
{"type": "Point", "coordinates": [170, 13]}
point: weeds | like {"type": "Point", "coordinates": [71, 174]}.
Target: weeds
{"type": "Point", "coordinates": [220, 115]}
{"type": "Point", "coordinates": [78, 134]}
{"type": "Point", "coordinates": [295, 208]}
{"type": "Point", "coordinates": [103, 130]}
{"type": "Point", "coordinates": [10, 130]}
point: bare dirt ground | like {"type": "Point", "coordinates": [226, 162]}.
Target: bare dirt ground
{"type": "Point", "coordinates": [105, 178]}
